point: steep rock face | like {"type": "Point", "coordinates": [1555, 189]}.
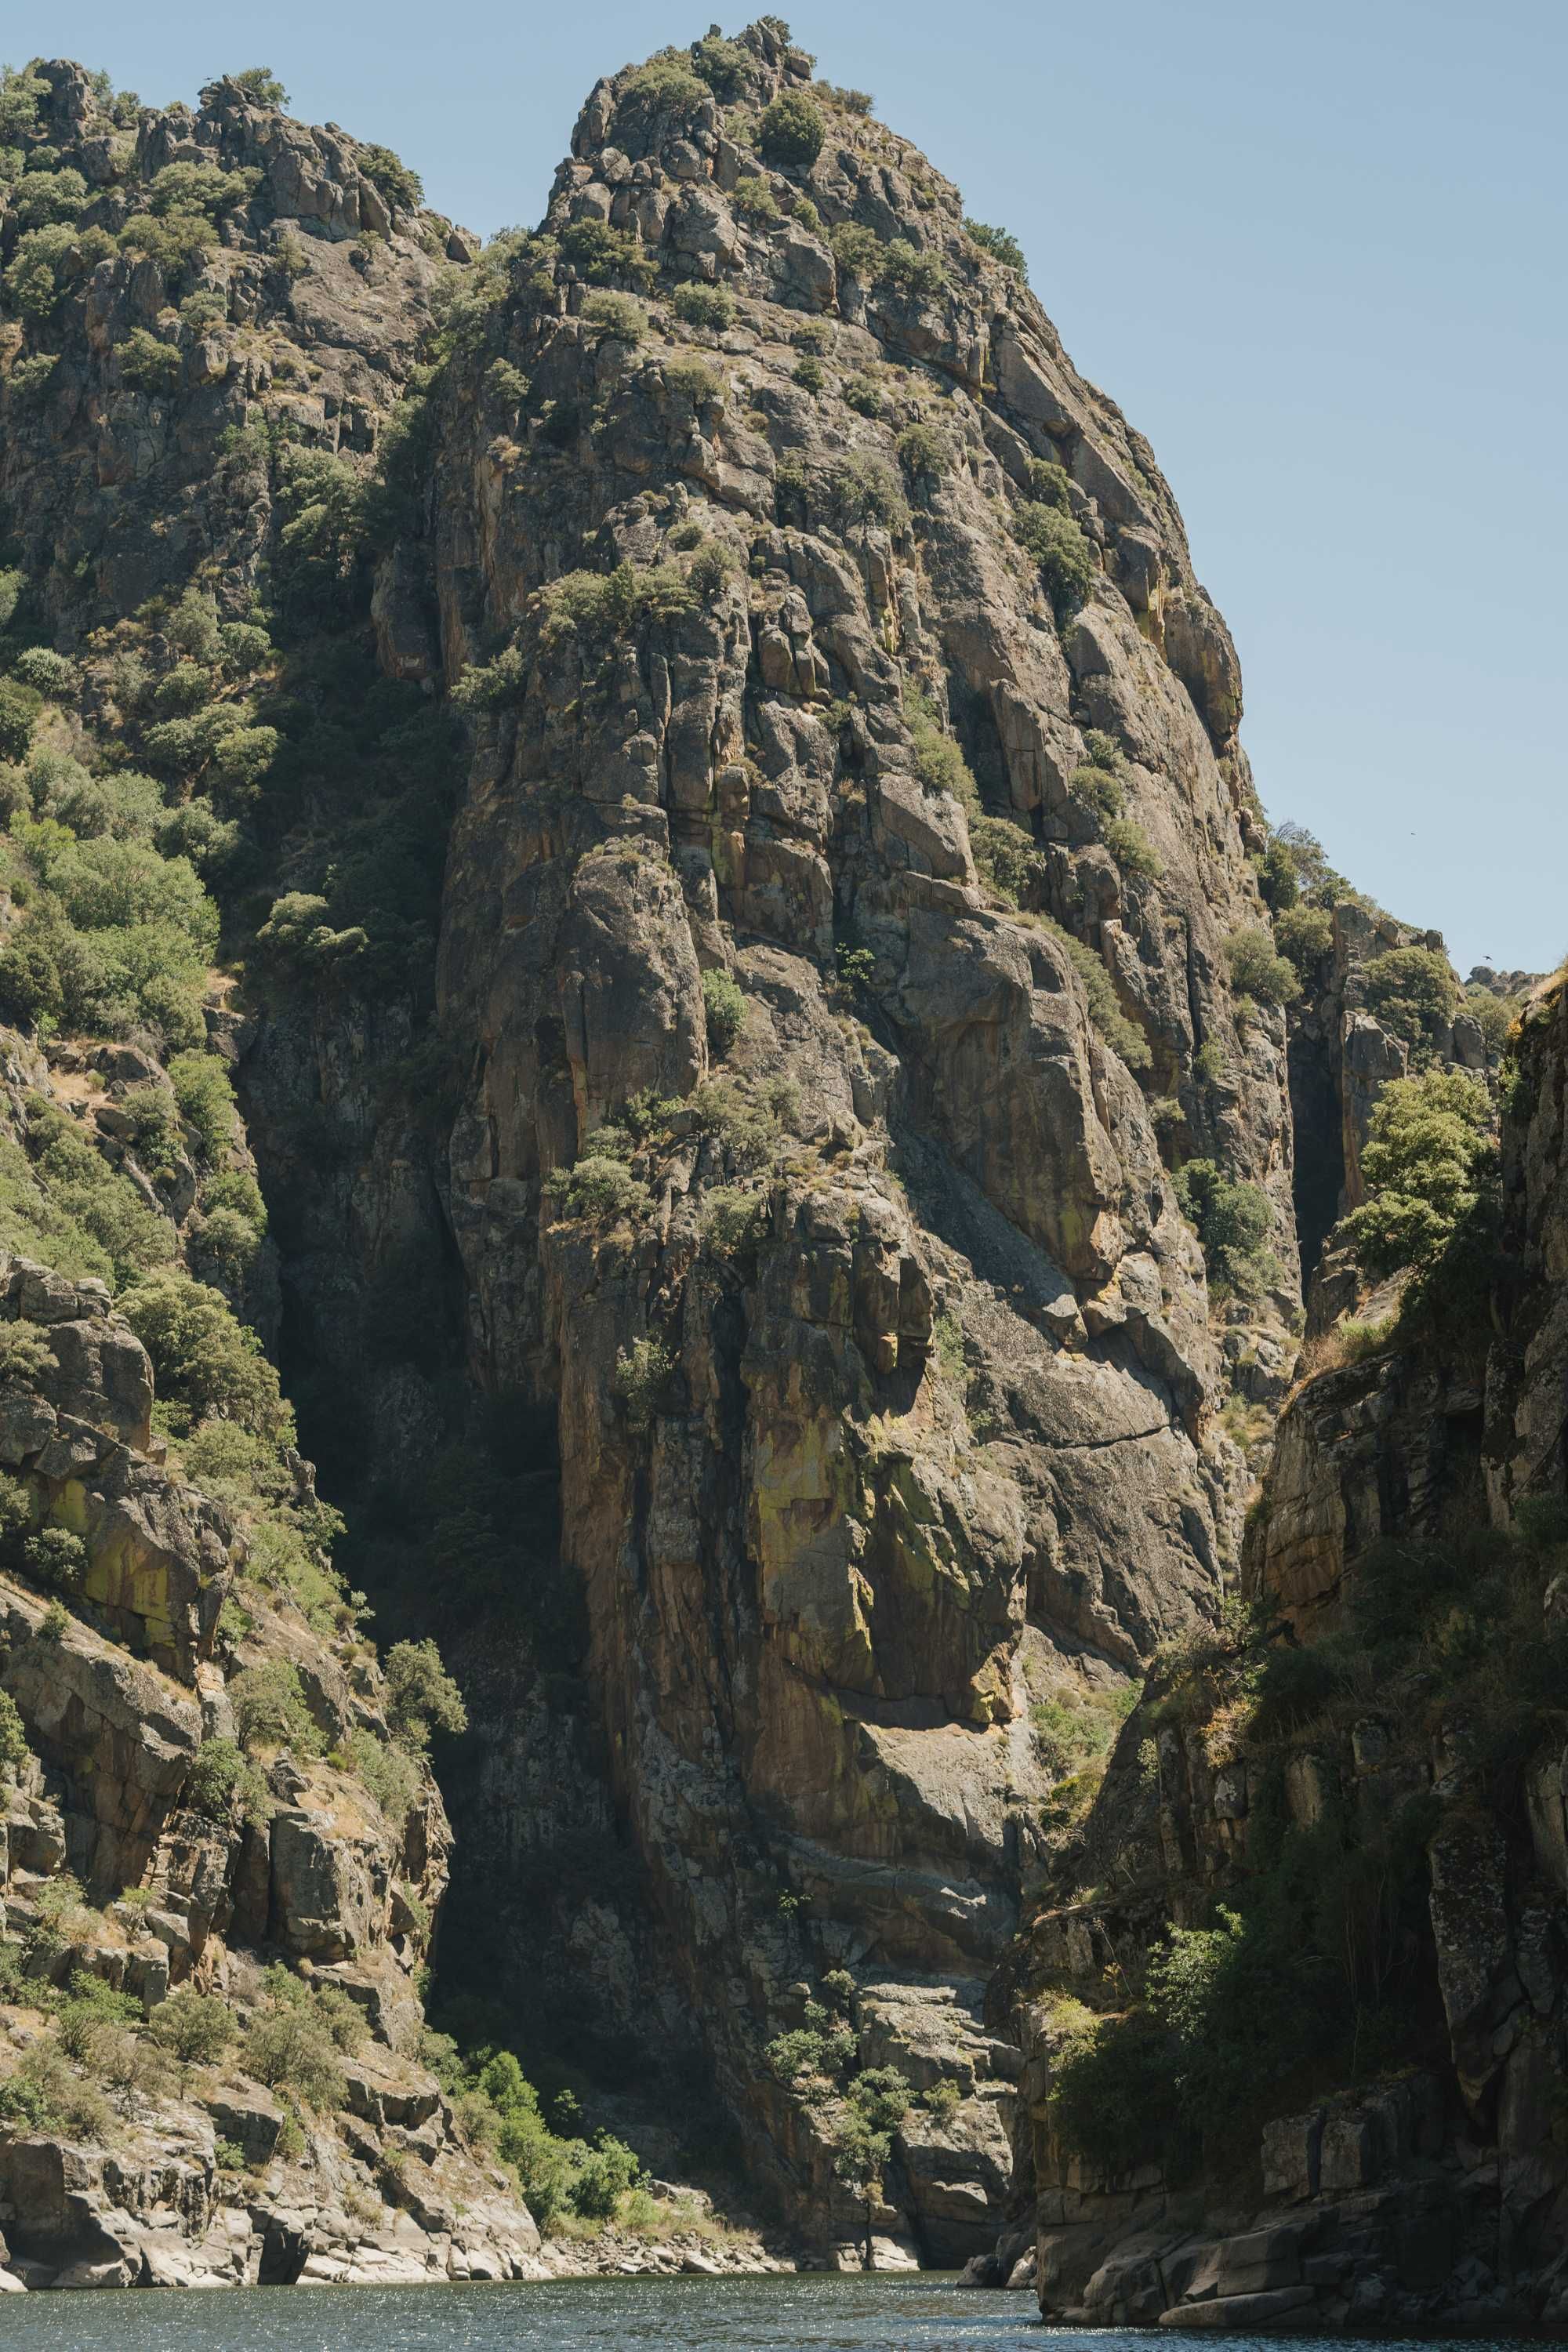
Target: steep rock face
{"type": "Point", "coordinates": [836, 642]}
{"type": "Point", "coordinates": [814, 1596]}
{"type": "Point", "coordinates": [1431, 2193]}
{"type": "Point", "coordinates": [120, 1865]}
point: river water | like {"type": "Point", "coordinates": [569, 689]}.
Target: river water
{"type": "Point", "coordinates": [811, 2314]}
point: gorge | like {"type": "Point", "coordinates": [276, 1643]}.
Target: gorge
{"type": "Point", "coordinates": [654, 1037]}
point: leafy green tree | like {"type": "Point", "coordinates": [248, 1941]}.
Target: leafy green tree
{"type": "Point", "coordinates": [1413, 992]}
{"type": "Point", "coordinates": [195, 2028]}
{"type": "Point", "coordinates": [1000, 243]}
{"type": "Point", "coordinates": [13, 1747]}
{"type": "Point", "coordinates": [206, 1361]}
{"type": "Point", "coordinates": [877, 2102]}
{"type": "Point", "coordinates": [1430, 1163]}
{"type": "Point", "coordinates": [724, 1003]}
{"type": "Point", "coordinates": [791, 133]}
{"type": "Point", "coordinates": [1233, 1220]}
{"type": "Point", "coordinates": [421, 1696]}
{"type": "Point", "coordinates": [1256, 970]}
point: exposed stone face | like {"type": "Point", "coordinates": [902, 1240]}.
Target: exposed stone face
{"type": "Point", "coordinates": [115, 1704]}
{"type": "Point", "coordinates": [885, 1382]}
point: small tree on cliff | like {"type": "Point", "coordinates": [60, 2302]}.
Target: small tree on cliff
{"type": "Point", "coordinates": [1429, 1164]}
{"type": "Point", "coordinates": [875, 2104]}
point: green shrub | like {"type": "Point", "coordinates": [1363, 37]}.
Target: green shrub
{"type": "Point", "coordinates": [1005, 858]}
{"type": "Point", "coordinates": [1131, 847]}
{"type": "Point", "coordinates": [938, 761]}
{"type": "Point", "coordinates": [56, 1558]}
{"type": "Point", "coordinates": [863, 396]}
{"type": "Point", "coordinates": [391, 1774]}
{"type": "Point", "coordinates": [269, 1710]}
{"type": "Point", "coordinates": [19, 708]}
{"type": "Point", "coordinates": [714, 564]}
{"type": "Point", "coordinates": [791, 133]}
{"type": "Point", "coordinates": [505, 383]}
{"type": "Point", "coordinates": [1233, 1220]}
{"type": "Point", "coordinates": [1414, 992]}
{"type": "Point", "coordinates": [724, 1003]}
{"type": "Point", "coordinates": [730, 1218]}
{"type": "Point", "coordinates": [595, 607]}
{"type": "Point", "coordinates": [13, 1748]}
{"type": "Point", "coordinates": [1099, 787]}
{"type": "Point", "coordinates": [146, 365]}
{"type": "Point", "coordinates": [155, 1136]}
{"type": "Point", "coordinates": [206, 1362]}
{"type": "Point", "coordinates": [1000, 243]}
{"type": "Point", "coordinates": [1303, 935]}
{"type": "Point", "coordinates": [224, 1247]}
{"type": "Point", "coordinates": [665, 85]}
{"type": "Point", "coordinates": [403, 189]}
{"type": "Point", "coordinates": [910, 269]}
{"type": "Point", "coordinates": [174, 241]}
{"type": "Point", "coordinates": [857, 251]}
{"type": "Point", "coordinates": [1493, 1015]}
{"type": "Point", "coordinates": [1256, 971]}
{"type": "Point", "coordinates": [810, 374]}
{"type": "Point", "coordinates": [712, 306]}
{"type": "Point", "coordinates": [1428, 1163]}
{"type": "Point", "coordinates": [205, 1099]}
{"type": "Point", "coordinates": [695, 381]}
{"type": "Point", "coordinates": [1051, 486]}
{"type": "Point", "coordinates": [288, 2047]}
{"type": "Point", "coordinates": [1067, 564]}
{"type": "Point", "coordinates": [183, 188]}
{"type": "Point", "coordinates": [421, 1696]}
{"type": "Point", "coordinates": [853, 101]}
{"type": "Point", "coordinates": [862, 487]}
{"type": "Point", "coordinates": [42, 198]}
{"type": "Point", "coordinates": [620, 316]}
{"type": "Point", "coordinates": [604, 2175]}
{"type": "Point", "coordinates": [220, 1780]}
{"type": "Point", "coordinates": [923, 454]}
{"type": "Point", "coordinates": [49, 672]}
{"type": "Point", "coordinates": [598, 1187]}
{"type": "Point", "coordinates": [600, 253]}
{"type": "Point", "coordinates": [754, 201]}
{"type": "Point", "coordinates": [640, 1373]}
{"type": "Point", "coordinates": [195, 2028]}
{"type": "Point", "coordinates": [56, 1623]}
{"type": "Point", "coordinates": [726, 67]}
{"type": "Point", "coordinates": [187, 688]}
{"type": "Point", "coordinates": [26, 1359]}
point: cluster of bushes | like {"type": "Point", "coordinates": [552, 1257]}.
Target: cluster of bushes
{"type": "Point", "coordinates": [1067, 564]}
{"type": "Point", "coordinates": [561, 2177]}
{"type": "Point", "coordinates": [1097, 788]}
{"type": "Point", "coordinates": [1234, 1221]}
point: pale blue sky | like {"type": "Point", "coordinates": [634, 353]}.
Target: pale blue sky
{"type": "Point", "coordinates": [1316, 255]}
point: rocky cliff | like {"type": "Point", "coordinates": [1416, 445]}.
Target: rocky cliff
{"type": "Point", "coordinates": [1367, 1769]}
{"type": "Point", "coordinates": [680, 765]}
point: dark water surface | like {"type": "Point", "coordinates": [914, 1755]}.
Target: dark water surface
{"type": "Point", "coordinates": [813, 2314]}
